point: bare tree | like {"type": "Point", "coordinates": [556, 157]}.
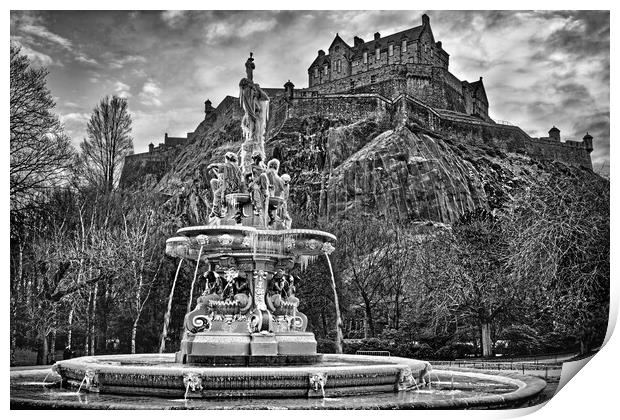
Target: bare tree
{"type": "Point", "coordinates": [365, 253]}
{"type": "Point", "coordinates": [108, 142]}
{"type": "Point", "coordinates": [561, 237]}
{"type": "Point", "coordinates": [40, 150]}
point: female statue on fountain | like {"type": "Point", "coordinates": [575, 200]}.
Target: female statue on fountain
{"type": "Point", "coordinates": [255, 104]}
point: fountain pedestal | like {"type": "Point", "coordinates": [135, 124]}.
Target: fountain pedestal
{"type": "Point", "coordinates": [247, 312]}
{"type": "Point", "coordinates": [263, 344]}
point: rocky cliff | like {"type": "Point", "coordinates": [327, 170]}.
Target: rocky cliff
{"type": "Point", "coordinates": [375, 165]}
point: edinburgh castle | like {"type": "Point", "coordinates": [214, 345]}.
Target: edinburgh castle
{"type": "Point", "coordinates": [402, 78]}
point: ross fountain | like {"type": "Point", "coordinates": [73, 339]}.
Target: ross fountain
{"type": "Point", "coordinates": [246, 336]}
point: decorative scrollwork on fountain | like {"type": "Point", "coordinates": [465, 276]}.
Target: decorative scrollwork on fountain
{"type": "Point", "coordinates": [200, 323]}
{"type": "Point", "coordinates": [260, 277]}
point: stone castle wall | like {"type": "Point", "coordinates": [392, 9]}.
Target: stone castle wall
{"type": "Point", "coordinates": [341, 107]}
{"type": "Point", "coordinates": [434, 86]}
{"type": "Point", "coordinates": [378, 101]}
{"type": "Point", "coordinates": [509, 138]}
{"type": "Point", "coordinates": [569, 152]}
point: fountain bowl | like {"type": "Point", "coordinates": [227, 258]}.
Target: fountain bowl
{"type": "Point", "coordinates": [338, 381]}
{"type": "Point", "coordinates": [233, 241]}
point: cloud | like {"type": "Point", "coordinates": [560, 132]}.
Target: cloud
{"type": "Point", "coordinates": [174, 18]}
{"type": "Point", "coordinates": [43, 32]}
{"type": "Point", "coordinates": [237, 28]}
{"type": "Point", "coordinates": [74, 117]}
{"type": "Point", "coordinates": [75, 125]}
{"type": "Point", "coordinates": [150, 93]}
{"type": "Point", "coordinates": [85, 59]}
{"type": "Point", "coordinates": [38, 59]}
{"type": "Point", "coordinates": [121, 89]}
{"type": "Point", "coordinates": [119, 63]}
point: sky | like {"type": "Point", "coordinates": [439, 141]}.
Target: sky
{"type": "Point", "coordinates": [540, 68]}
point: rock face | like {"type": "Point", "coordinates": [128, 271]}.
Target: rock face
{"type": "Point", "coordinates": [376, 165]}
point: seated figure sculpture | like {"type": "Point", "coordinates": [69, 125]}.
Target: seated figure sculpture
{"type": "Point", "coordinates": [242, 294]}
{"type": "Point", "coordinates": [229, 181]}
{"type": "Point", "coordinates": [259, 188]}
{"type": "Point", "coordinates": [286, 218]}
{"type": "Point", "coordinates": [275, 289]}
{"type": "Point", "coordinates": [289, 290]}
{"type": "Point", "coordinates": [276, 187]}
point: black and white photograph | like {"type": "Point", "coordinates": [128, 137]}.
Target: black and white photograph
{"type": "Point", "coordinates": [307, 209]}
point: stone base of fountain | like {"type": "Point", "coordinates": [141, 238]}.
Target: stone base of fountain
{"type": "Point", "coordinates": [212, 346]}
{"type": "Point", "coordinates": [254, 361]}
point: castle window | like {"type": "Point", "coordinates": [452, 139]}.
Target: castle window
{"type": "Point", "coordinates": [337, 48]}
{"type": "Point", "coordinates": [373, 78]}
{"type": "Point", "coordinates": [378, 54]}
{"type": "Point", "coordinates": [365, 57]}
{"type": "Point", "coordinates": [390, 50]}
{"type": "Point", "coordinates": [339, 66]}
{"type": "Point", "coordinates": [316, 72]}
{"type": "Point", "coordinates": [325, 69]}
{"type": "Point", "coordinates": [403, 47]}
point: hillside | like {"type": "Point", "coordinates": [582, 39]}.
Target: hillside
{"type": "Point", "coordinates": [341, 167]}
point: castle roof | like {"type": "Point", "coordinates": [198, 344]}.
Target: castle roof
{"type": "Point", "coordinates": [382, 43]}
{"type": "Point", "coordinates": [336, 39]}
{"type": "Point", "coordinates": [320, 60]}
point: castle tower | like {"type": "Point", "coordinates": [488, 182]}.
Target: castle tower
{"type": "Point", "coordinates": [208, 107]}
{"type": "Point", "coordinates": [151, 147]}
{"type": "Point", "coordinates": [289, 89]}
{"type": "Point", "coordinates": [554, 133]}
{"type": "Point", "coordinates": [587, 142]}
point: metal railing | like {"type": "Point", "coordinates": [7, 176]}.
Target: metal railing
{"type": "Point", "coordinates": [543, 370]}
{"type": "Point", "coordinates": [373, 353]}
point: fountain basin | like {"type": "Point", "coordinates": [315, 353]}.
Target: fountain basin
{"type": "Point", "coordinates": [161, 384]}
{"type": "Point", "coordinates": [247, 241]}
{"type": "Point", "coordinates": [159, 375]}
